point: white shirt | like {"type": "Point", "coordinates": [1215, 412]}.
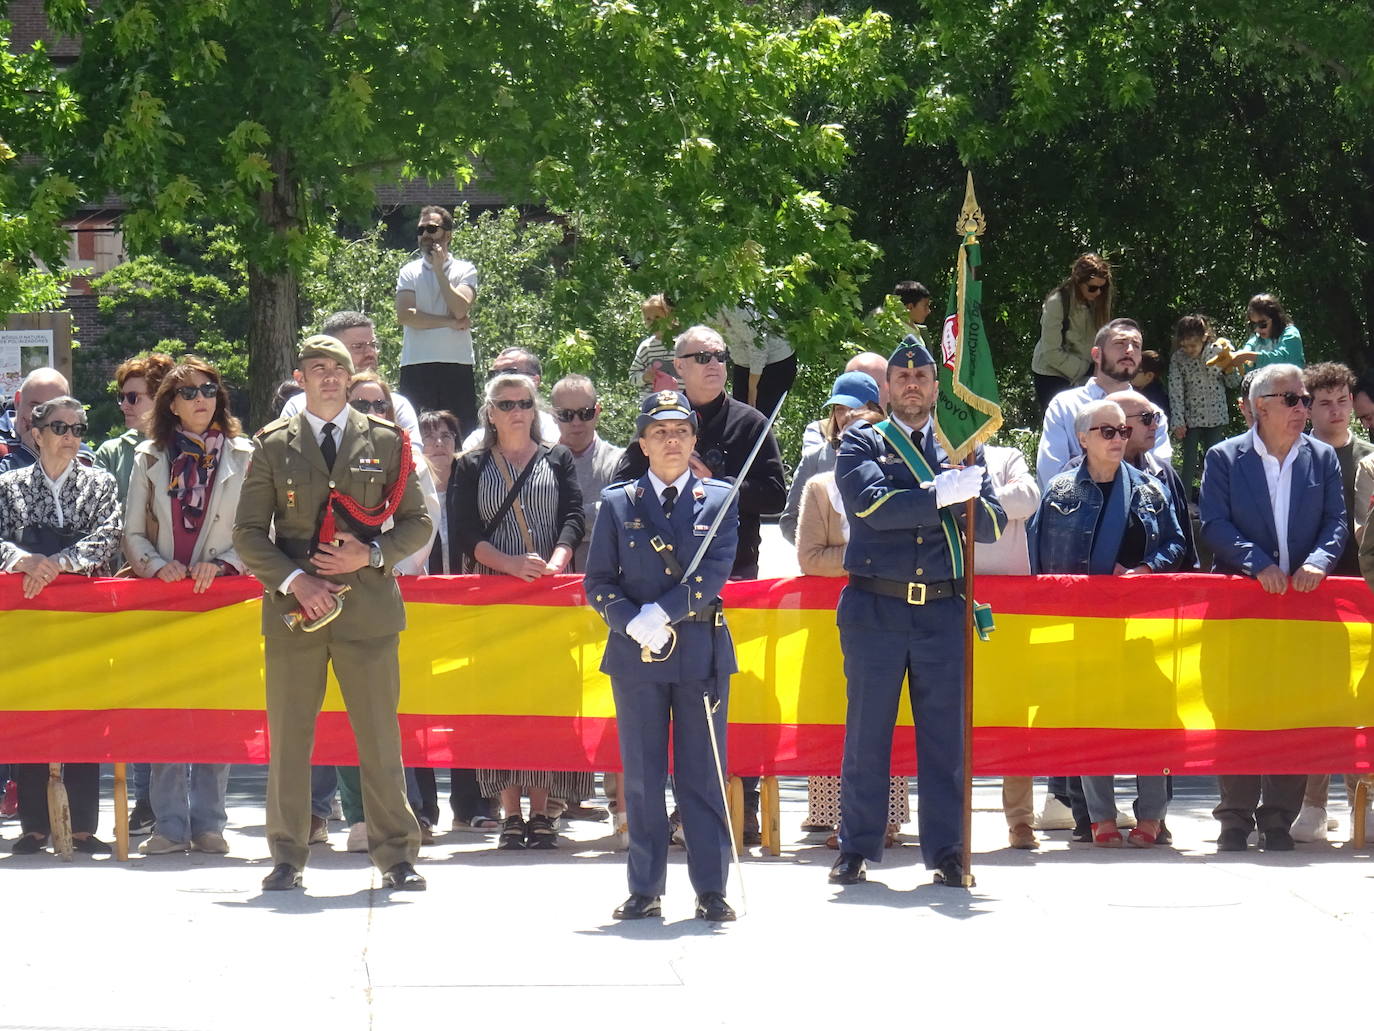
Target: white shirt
{"type": "Point", "coordinates": [749, 341]}
{"type": "Point", "coordinates": [405, 414]}
{"type": "Point", "coordinates": [926, 431]}
{"type": "Point", "coordinates": [659, 486]}
{"type": "Point", "coordinates": [441, 344]}
{"type": "Point", "coordinates": [1279, 477]}
{"type": "Point", "coordinates": [56, 487]}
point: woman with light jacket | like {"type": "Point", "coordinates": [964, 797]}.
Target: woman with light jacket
{"type": "Point", "coordinates": [179, 523]}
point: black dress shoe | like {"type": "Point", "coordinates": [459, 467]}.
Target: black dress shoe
{"type": "Point", "coordinates": [712, 906]}
{"type": "Point", "coordinates": [1082, 832]}
{"type": "Point", "coordinates": [1233, 839]}
{"type": "Point", "coordinates": [637, 907]}
{"type": "Point", "coordinates": [283, 877]}
{"type": "Point", "coordinates": [1276, 840]}
{"type": "Point", "coordinates": [403, 877]}
{"type": "Point", "coordinates": [950, 873]}
{"type": "Point", "coordinates": [28, 845]}
{"type": "Point", "coordinates": [92, 846]}
{"type": "Point", "coordinates": [850, 868]}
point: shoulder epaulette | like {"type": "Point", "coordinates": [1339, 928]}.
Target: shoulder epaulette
{"type": "Point", "coordinates": [276, 424]}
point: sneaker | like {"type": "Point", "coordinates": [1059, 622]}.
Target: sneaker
{"type": "Point", "coordinates": [357, 838]}
{"type": "Point", "coordinates": [210, 842]}
{"type": "Point", "coordinates": [1310, 824]}
{"type": "Point", "coordinates": [426, 834]}
{"type": "Point", "coordinates": [9, 805]}
{"type": "Point", "coordinates": [336, 810]}
{"type": "Point", "coordinates": [1126, 821]}
{"type": "Point", "coordinates": [1055, 816]}
{"type": "Point", "coordinates": [157, 845]}
{"type": "Point", "coordinates": [141, 818]}
{"type": "Point", "coordinates": [676, 835]}
{"type": "Point", "coordinates": [319, 830]}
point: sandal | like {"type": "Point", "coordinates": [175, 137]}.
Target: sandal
{"type": "Point", "coordinates": [512, 833]}
{"type": "Point", "coordinates": [484, 823]}
{"type": "Point", "coordinates": [1145, 835]}
{"type": "Point", "coordinates": [891, 840]}
{"type": "Point", "coordinates": [1105, 835]}
{"type": "Point", "coordinates": [540, 833]}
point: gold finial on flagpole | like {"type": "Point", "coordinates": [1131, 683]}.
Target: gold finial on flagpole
{"type": "Point", "coordinates": [971, 221]}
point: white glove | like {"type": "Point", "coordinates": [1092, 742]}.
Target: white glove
{"type": "Point", "coordinates": [650, 620]}
{"type": "Point", "coordinates": [955, 485]}
{"type": "Point", "coordinates": [658, 640]}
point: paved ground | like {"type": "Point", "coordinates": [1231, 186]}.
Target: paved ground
{"type": "Point", "coordinates": [189, 942]}
{"type": "Point", "coordinates": [1068, 934]}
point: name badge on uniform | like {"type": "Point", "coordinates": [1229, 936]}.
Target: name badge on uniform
{"type": "Point", "coordinates": [290, 499]}
{"type": "Point", "coordinates": [368, 465]}
{"type": "Point", "coordinates": [701, 527]}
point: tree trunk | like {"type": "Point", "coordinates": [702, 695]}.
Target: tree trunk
{"type": "Point", "coordinates": [274, 301]}
{"type": "Point", "coordinates": [273, 326]}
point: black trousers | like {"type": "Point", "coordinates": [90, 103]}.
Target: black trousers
{"type": "Point", "coordinates": [435, 386]}
{"type": "Point", "coordinates": [1271, 800]}
{"type": "Point", "coordinates": [465, 796]}
{"type": "Point", "coordinates": [1045, 389]}
{"type": "Point", "coordinates": [83, 795]}
{"type": "Point", "coordinates": [776, 380]}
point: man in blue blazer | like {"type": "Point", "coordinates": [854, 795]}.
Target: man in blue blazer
{"type": "Point", "coordinates": [901, 617]}
{"type": "Point", "coordinates": [1273, 508]}
{"type": "Point", "coordinates": [668, 649]}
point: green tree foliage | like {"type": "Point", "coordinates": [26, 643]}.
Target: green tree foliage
{"type": "Point", "coordinates": [666, 128]}
{"type": "Point", "coordinates": [37, 111]}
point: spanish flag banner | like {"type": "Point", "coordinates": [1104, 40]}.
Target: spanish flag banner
{"type": "Point", "coordinates": [1178, 674]}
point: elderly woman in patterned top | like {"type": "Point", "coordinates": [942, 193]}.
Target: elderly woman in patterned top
{"type": "Point", "coordinates": [515, 508]}
{"type": "Point", "coordinates": [58, 516]}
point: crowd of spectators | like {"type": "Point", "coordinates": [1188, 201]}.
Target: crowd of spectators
{"type": "Point", "coordinates": [513, 488]}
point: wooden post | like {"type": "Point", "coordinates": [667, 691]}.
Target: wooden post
{"type": "Point", "coordinates": [967, 857]}
{"type": "Point", "coordinates": [121, 812]}
{"type": "Point", "coordinates": [59, 813]}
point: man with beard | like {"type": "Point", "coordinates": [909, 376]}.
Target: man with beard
{"type": "Point", "coordinates": [1116, 352]}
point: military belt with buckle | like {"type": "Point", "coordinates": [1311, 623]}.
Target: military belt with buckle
{"type": "Point", "coordinates": [714, 614]}
{"type": "Point", "coordinates": [910, 592]}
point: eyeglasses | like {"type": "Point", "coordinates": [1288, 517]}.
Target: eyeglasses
{"type": "Point", "coordinates": [524, 404]}
{"type": "Point", "coordinates": [437, 438]}
{"type": "Point", "coordinates": [1111, 432]}
{"type": "Point", "coordinates": [1094, 288]}
{"type": "Point", "coordinates": [429, 230]}
{"type": "Point", "coordinates": [377, 407]}
{"type": "Point", "coordinates": [189, 393]}
{"type": "Point", "coordinates": [569, 414]}
{"type": "Point", "coordinates": [1146, 418]}
{"type": "Point", "coordinates": [1260, 323]}
{"type": "Point", "coordinates": [707, 357]}
{"type": "Point", "coordinates": [1291, 399]}
{"type": "Point", "coordinates": [130, 397]}
{"type": "Point", "coordinates": [60, 428]}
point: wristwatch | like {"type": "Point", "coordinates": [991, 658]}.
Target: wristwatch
{"type": "Point", "coordinates": [374, 559]}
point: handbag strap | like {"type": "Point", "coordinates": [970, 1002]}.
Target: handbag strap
{"type": "Point", "coordinates": [512, 500]}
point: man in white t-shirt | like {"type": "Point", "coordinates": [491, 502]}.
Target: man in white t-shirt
{"type": "Point", "coordinates": [434, 294]}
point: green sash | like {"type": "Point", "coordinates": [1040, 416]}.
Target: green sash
{"type": "Point", "coordinates": [921, 469]}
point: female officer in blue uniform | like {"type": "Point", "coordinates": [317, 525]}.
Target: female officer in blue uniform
{"type": "Point", "coordinates": [668, 649]}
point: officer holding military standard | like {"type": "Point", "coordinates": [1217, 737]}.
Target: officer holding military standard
{"type": "Point", "coordinates": [668, 649]}
{"type": "Point", "coordinates": [321, 485]}
{"type": "Point", "coordinates": [902, 616]}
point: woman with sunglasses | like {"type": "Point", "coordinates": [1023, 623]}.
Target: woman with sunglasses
{"type": "Point", "coordinates": [58, 516]}
{"type": "Point", "coordinates": [514, 508]}
{"type": "Point", "coordinates": [1106, 517]}
{"type": "Point", "coordinates": [178, 526]}
{"type": "Point", "coordinates": [1072, 314]}
{"type": "Point", "coordinates": [1274, 340]}
{"type": "Point", "coordinates": [136, 383]}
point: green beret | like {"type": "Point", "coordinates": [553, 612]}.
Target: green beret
{"type": "Point", "coordinates": [321, 346]}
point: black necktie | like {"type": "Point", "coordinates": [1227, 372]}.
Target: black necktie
{"type": "Point", "coordinates": [668, 500]}
{"type": "Point", "coordinates": [926, 442]}
{"type": "Point", "coordinates": [327, 446]}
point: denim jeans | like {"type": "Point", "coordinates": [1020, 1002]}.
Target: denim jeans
{"type": "Point", "coordinates": [1152, 792]}
{"type": "Point", "coordinates": [188, 799]}
{"type": "Point", "coordinates": [324, 781]}
{"type": "Point", "coordinates": [142, 774]}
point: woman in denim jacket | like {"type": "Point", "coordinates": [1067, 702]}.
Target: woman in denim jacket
{"type": "Point", "coordinates": [1106, 517]}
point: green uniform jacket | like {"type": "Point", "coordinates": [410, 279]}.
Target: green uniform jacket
{"type": "Point", "coordinates": [283, 500]}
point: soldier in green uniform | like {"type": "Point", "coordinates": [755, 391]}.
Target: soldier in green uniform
{"type": "Point", "coordinates": [326, 480]}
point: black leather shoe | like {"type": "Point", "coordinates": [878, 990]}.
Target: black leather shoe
{"type": "Point", "coordinates": [1276, 840]}
{"type": "Point", "coordinates": [950, 873]}
{"type": "Point", "coordinates": [637, 907]}
{"type": "Point", "coordinates": [403, 877]}
{"type": "Point", "coordinates": [28, 845]}
{"type": "Point", "coordinates": [850, 868]}
{"type": "Point", "coordinates": [283, 877]}
{"type": "Point", "coordinates": [712, 906]}
{"type": "Point", "coordinates": [1233, 839]}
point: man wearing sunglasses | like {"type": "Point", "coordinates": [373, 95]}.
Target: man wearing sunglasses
{"type": "Point", "coordinates": [1273, 508]}
{"type": "Point", "coordinates": [38, 386]}
{"type": "Point", "coordinates": [1116, 352]}
{"type": "Point", "coordinates": [578, 412]}
{"type": "Point", "coordinates": [332, 463]}
{"type": "Point", "coordinates": [434, 295]}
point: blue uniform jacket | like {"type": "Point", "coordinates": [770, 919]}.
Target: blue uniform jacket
{"type": "Point", "coordinates": [1066, 535]}
{"type": "Point", "coordinates": [1238, 518]}
{"type": "Point", "coordinates": [624, 572]}
{"type": "Point", "coordinates": [896, 530]}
